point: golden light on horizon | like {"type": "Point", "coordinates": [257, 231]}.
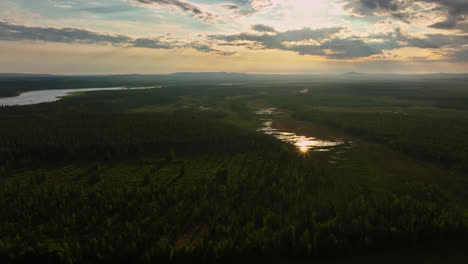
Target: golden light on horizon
{"type": "Point", "coordinates": [304, 149]}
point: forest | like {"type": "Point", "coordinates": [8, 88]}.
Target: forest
{"type": "Point", "coordinates": [181, 174]}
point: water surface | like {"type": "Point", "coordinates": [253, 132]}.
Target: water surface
{"type": "Point", "coordinates": [46, 96]}
{"type": "Point", "coordinates": [303, 143]}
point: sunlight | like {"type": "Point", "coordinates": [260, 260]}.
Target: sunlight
{"type": "Point", "coordinates": [302, 143]}
{"type": "Point", "coordinates": [309, 12]}
{"type": "Point", "coordinates": [309, 5]}
{"type": "Point", "coordinates": [303, 149]}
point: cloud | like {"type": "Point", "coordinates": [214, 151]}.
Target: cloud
{"type": "Point", "coordinates": [461, 55]}
{"type": "Point", "coordinates": [14, 32]}
{"type": "Point", "coordinates": [333, 43]}
{"type": "Point", "coordinates": [259, 5]}
{"type": "Point", "coordinates": [151, 44]}
{"type": "Point", "coordinates": [326, 42]}
{"type": "Point", "coordinates": [230, 7]}
{"type": "Point", "coordinates": [429, 41]}
{"type": "Point", "coordinates": [200, 9]}
{"type": "Point", "coordinates": [373, 7]}
{"type": "Point", "coordinates": [463, 26]}
{"type": "Point", "coordinates": [249, 7]}
{"type": "Point", "coordinates": [452, 12]}
{"type": "Point", "coordinates": [208, 49]}
{"type": "Point", "coordinates": [61, 4]}
{"type": "Point", "coordinates": [456, 13]}
{"type": "Point", "coordinates": [453, 47]}
{"type": "Point", "coordinates": [307, 41]}
{"type": "Point", "coordinates": [106, 9]}
{"type": "Point", "coordinates": [437, 41]}
{"type": "Point", "coordinates": [340, 49]}
{"type": "Point", "coordinates": [263, 28]}
{"type": "Point", "coordinates": [275, 41]}
{"type": "Point", "coordinates": [193, 9]}
{"type": "Point", "coordinates": [65, 35]}
{"type": "Point", "coordinates": [449, 23]}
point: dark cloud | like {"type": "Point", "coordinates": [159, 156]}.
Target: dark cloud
{"type": "Point", "coordinates": [106, 9]}
{"type": "Point", "coordinates": [463, 26]}
{"type": "Point", "coordinates": [151, 44]}
{"type": "Point", "coordinates": [452, 45]}
{"type": "Point", "coordinates": [461, 55]}
{"type": "Point", "coordinates": [350, 48]}
{"type": "Point", "coordinates": [307, 33]}
{"type": "Point", "coordinates": [14, 32]}
{"type": "Point", "coordinates": [229, 7]}
{"type": "Point", "coordinates": [249, 7]}
{"type": "Point", "coordinates": [66, 35]}
{"type": "Point", "coordinates": [322, 42]}
{"type": "Point", "coordinates": [263, 28]}
{"type": "Point", "coordinates": [437, 41]}
{"type": "Point", "coordinates": [325, 42]}
{"type": "Point", "coordinates": [196, 11]}
{"type": "Point", "coordinates": [429, 41]}
{"type": "Point", "coordinates": [449, 23]}
{"type": "Point", "coordinates": [240, 7]}
{"type": "Point", "coordinates": [276, 41]}
{"type": "Point", "coordinates": [347, 48]}
{"type": "Point", "coordinates": [371, 7]}
{"type": "Point", "coordinates": [456, 11]}
{"type": "Point", "coordinates": [208, 49]}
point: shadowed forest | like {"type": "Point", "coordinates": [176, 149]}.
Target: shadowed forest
{"type": "Point", "coordinates": [182, 174]}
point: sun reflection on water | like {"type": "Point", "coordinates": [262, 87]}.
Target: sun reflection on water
{"type": "Point", "coordinates": [303, 143]}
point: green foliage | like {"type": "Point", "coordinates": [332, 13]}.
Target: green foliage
{"type": "Point", "coordinates": [221, 176]}
{"type": "Point", "coordinates": [87, 180]}
{"type": "Point", "coordinates": [430, 138]}
{"type": "Point", "coordinates": [426, 120]}
{"type": "Point", "coordinates": [265, 214]}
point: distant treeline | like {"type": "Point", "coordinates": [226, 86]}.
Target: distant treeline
{"type": "Point", "coordinates": [14, 84]}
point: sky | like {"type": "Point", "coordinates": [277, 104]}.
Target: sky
{"type": "Point", "coordinates": [250, 36]}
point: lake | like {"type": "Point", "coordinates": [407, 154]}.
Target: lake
{"type": "Point", "coordinates": [46, 96]}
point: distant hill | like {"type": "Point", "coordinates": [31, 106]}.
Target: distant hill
{"type": "Point", "coordinates": [24, 75]}
{"type": "Point", "coordinates": [208, 75]}
{"type": "Point", "coordinates": [229, 77]}
{"type": "Point", "coordinates": [353, 73]}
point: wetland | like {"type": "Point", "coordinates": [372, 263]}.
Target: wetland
{"type": "Point", "coordinates": [315, 170]}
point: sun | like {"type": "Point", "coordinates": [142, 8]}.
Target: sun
{"type": "Point", "coordinates": [304, 149]}
{"type": "Point", "coordinates": [309, 13]}
{"type": "Point", "coordinates": [311, 5]}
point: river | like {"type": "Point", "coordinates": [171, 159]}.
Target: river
{"type": "Point", "coordinates": [303, 143]}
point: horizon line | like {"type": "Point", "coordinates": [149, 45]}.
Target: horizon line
{"type": "Point", "coordinates": [218, 72]}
